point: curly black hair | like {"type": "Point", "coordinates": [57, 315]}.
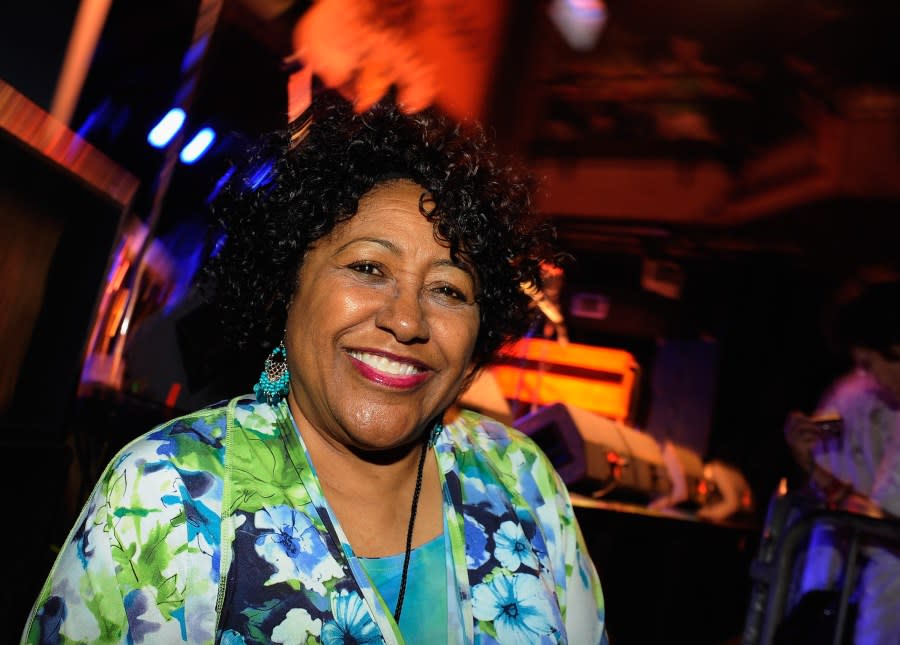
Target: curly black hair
{"type": "Point", "coordinates": [871, 320]}
{"type": "Point", "coordinates": [482, 207]}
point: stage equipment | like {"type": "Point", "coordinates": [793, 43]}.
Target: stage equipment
{"type": "Point", "coordinates": [605, 458]}
{"type": "Point", "coordinates": [484, 396]}
{"type": "Point", "coordinates": [598, 453]}
{"type": "Point", "coordinates": [685, 470]}
{"type": "Point", "coordinates": [725, 492]}
{"type": "Point", "coordinates": [547, 301]}
{"type": "Point", "coordinates": [539, 372]}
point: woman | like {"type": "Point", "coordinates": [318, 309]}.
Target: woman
{"type": "Point", "coordinates": [346, 502]}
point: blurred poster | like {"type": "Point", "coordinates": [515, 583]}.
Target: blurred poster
{"type": "Point", "coordinates": [433, 51]}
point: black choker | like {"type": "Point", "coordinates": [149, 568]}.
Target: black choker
{"type": "Point", "coordinates": [409, 529]}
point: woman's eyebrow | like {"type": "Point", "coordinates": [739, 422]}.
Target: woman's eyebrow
{"type": "Point", "coordinates": [390, 246]}
{"type": "Point", "coordinates": [455, 265]}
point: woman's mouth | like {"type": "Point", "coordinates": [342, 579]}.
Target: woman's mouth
{"type": "Point", "coordinates": [388, 371]}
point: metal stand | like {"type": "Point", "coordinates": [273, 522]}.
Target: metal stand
{"type": "Point", "coordinates": [788, 526]}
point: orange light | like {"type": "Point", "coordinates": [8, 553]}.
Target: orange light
{"type": "Point", "coordinates": [172, 396]}
{"type": "Point", "coordinates": [119, 275]}
{"type": "Point", "coordinates": [702, 488]}
{"type": "Point", "coordinates": [782, 486]}
{"type": "Point", "coordinates": [598, 379]}
{"type": "Point", "coordinates": [116, 311]}
{"type": "Point", "coordinates": [612, 457]}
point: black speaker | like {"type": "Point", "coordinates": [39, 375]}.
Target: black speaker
{"type": "Point", "coordinates": [682, 392]}
{"type": "Point", "coordinates": [554, 431]}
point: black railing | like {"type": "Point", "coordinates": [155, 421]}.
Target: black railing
{"type": "Point", "coordinates": [791, 519]}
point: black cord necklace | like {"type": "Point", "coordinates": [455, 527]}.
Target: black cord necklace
{"type": "Point", "coordinates": [409, 531]}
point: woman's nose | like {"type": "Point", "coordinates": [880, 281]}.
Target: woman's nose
{"type": "Point", "coordinates": [403, 315]}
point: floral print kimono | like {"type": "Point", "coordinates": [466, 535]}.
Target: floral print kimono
{"type": "Point", "coordinates": [213, 528]}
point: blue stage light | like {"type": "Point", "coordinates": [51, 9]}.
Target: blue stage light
{"type": "Point", "coordinates": [220, 184]}
{"type": "Point", "coordinates": [260, 175]}
{"type": "Point", "coordinates": [167, 128]}
{"type": "Point", "coordinates": [197, 146]}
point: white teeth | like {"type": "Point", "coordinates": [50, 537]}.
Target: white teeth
{"type": "Point", "coordinates": [385, 365]}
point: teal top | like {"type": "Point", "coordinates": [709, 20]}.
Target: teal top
{"type": "Point", "coordinates": [423, 618]}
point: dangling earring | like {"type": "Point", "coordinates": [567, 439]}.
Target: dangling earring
{"type": "Point", "coordinates": [275, 378]}
{"type": "Point", "coordinates": [435, 433]}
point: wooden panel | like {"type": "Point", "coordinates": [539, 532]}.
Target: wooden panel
{"type": "Point", "coordinates": [61, 206]}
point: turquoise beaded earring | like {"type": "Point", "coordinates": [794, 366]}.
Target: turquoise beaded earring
{"type": "Point", "coordinates": [275, 378]}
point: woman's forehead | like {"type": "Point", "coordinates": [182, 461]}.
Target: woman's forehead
{"type": "Point", "coordinates": [388, 212]}
{"type": "Point", "coordinates": [395, 189]}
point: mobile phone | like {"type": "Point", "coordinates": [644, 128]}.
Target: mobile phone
{"type": "Point", "coordinates": [829, 426]}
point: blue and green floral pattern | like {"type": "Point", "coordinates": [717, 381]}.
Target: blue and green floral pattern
{"type": "Point", "coordinates": [213, 528]}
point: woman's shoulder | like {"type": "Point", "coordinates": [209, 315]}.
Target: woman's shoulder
{"type": "Point", "coordinates": [855, 390]}
{"type": "Point", "coordinates": [492, 456]}
{"type": "Point", "coordinates": [192, 441]}
{"type": "Point", "coordinates": [478, 430]}
{"type": "Point", "coordinates": [496, 442]}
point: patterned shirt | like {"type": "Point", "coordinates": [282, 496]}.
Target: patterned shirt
{"type": "Point", "coordinates": [213, 528]}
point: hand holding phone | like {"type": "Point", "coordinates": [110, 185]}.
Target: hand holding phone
{"type": "Point", "coordinates": [803, 433]}
{"type": "Point", "coordinates": [828, 425]}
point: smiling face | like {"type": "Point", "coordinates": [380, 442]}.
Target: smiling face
{"type": "Point", "coordinates": [381, 329]}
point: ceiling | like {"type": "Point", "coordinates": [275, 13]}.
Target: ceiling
{"type": "Point", "coordinates": [701, 127]}
{"type": "Point", "coordinates": [720, 128]}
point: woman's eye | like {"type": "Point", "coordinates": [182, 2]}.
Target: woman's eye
{"type": "Point", "coordinates": [451, 293]}
{"type": "Point", "coordinates": [369, 268]}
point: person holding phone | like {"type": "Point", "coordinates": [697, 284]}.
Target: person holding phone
{"type": "Point", "coordinates": [851, 448]}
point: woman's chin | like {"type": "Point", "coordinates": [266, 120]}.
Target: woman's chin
{"type": "Point", "coordinates": [384, 450]}
{"type": "Point", "coordinates": [384, 427]}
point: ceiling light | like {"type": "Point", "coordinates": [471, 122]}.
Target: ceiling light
{"type": "Point", "coordinates": [167, 128]}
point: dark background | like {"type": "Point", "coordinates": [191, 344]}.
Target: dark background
{"type": "Point", "coordinates": [765, 138]}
